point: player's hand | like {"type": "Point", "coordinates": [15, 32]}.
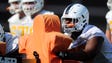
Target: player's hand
{"type": "Point", "coordinates": [62, 55]}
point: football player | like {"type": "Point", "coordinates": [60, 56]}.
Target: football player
{"type": "Point", "coordinates": [109, 20]}
{"type": "Point", "coordinates": [90, 44]}
{"type": "Point", "coordinates": [20, 25]}
{"type": "Point", "coordinates": [16, 11]}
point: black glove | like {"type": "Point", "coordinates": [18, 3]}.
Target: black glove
{"type": "Point", "coordinates": [62, 55]}
{"type": "Point", "coordinates": [79, 56]}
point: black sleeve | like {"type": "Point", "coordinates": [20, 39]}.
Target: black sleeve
{"type": "Point", "coordinates": [79, 56]}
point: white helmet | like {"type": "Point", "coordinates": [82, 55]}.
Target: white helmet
{"type": "Point", "coordinates": [1, 33]}
{"type": "Point", "coordinates": [32, 8]}
{"type": "Point", "coordinates": [79, 14]}
{"type": "Point", "coordinates": [109, 4]}
{"type": "Point", "coordinates": [10, 1]}
{"type": "Point", "coordinates": [14, 8]}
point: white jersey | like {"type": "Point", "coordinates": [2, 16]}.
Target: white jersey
{"type": "Point", "coordinates": [91, 31]}
{"type": "Point", "coordinates": [11, 42]}
{"type": "Point", "coordinates": [23, 26]}
{"type": "Point", "coordinates": [109, 19]}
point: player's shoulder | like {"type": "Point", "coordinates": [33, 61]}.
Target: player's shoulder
{"type": "Point", "coordinates": [92, 29]}
{"type": "Point", "coordinates": [14, 18]}
{"type": "Point", "coordinates": [109, 14]}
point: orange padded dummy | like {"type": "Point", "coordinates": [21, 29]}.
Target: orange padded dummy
{"type": "Point", "coordinates": [46, 39]}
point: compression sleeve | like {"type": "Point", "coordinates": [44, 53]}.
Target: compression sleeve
{"type": "Point", "coordinates": [79, 56]}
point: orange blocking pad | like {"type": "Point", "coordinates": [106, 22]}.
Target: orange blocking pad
{"type": "Point", "coordinates": [46, 39]}
{"type": "Point", "coordinates": [28, 60]}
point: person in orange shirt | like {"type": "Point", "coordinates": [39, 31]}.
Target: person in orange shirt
{"type": "Point", "coordinates": [46, 40]}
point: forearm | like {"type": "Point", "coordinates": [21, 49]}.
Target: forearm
{"type": "Point", "coordinates": [80, 56]}
{"type": "Point", "coordinates": [108, 32]}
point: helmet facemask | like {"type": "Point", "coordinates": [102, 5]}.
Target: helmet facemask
{"type": "Point", "coordinates": [29, 8]}
{"type": "Point", "coordinates": [65, 27]}
{"type": "Point", "coordinates": [14, 8]}
{"type": "Point", "coordinates": [32, 7]}
{"type": "Point", "coordinates": [78, 22]}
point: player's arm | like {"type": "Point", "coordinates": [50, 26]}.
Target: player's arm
{"type": "Point", "coordinates": [89, 52]}
{"type": "Point", "coordinates": [108, 32]}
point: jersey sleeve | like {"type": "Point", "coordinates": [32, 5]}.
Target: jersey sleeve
{"type": "Point", "coordinates": [92, 32]}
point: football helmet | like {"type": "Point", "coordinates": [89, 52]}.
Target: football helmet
{"type": "Point", "coordinates": [10, 1]}
{"type": "Point", "coordinates": [14, 6]}
{"type": "Point", "coordinates": [79, 16]}
{"type": "Point", "coordinates": [30, 9]}
{"type": "Point", "coordinates": [1, 33]}
{"type": "Point", "coordinates": [109, 4]}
